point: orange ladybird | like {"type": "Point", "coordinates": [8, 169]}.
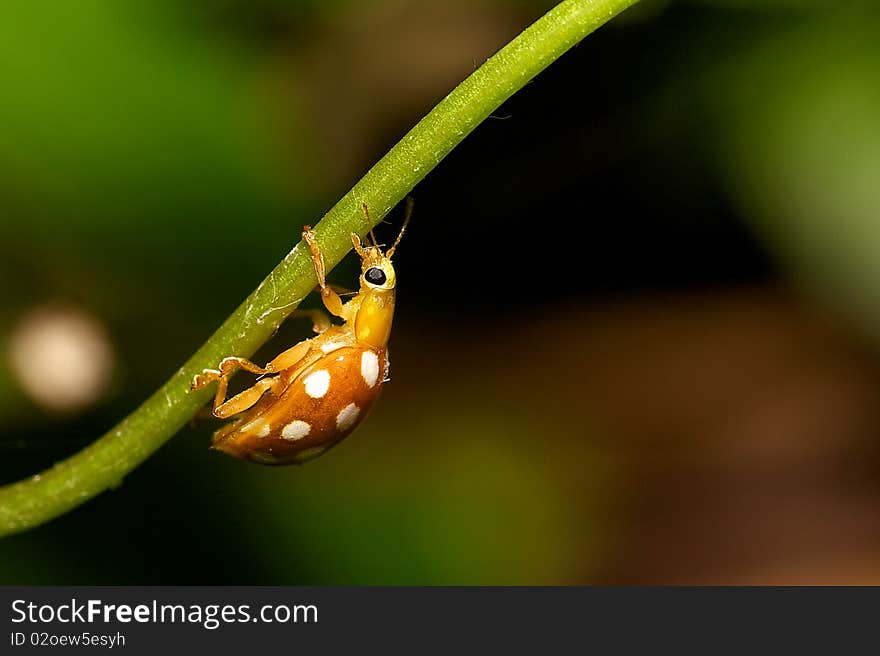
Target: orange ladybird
{"type": "Point", "coordinates": [314, 394]}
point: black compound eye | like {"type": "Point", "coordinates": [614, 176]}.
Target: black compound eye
{"type": "Point", "coordinates": [375, 276]}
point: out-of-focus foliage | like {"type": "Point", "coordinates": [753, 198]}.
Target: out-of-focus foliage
{"type": "Point", "coordinates": [803, 152]}
{"type": "Point", "coordinates": [88, 86]}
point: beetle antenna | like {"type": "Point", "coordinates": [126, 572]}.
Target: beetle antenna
{"type": "Point", "coordinates": [409, 208]}
{"type": "Point", "coordinates": [356, 241]}
{"type": "Point", "coordinates": [369, 223]}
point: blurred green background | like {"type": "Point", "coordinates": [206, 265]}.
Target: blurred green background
{"type": "Point", "coordinates": [636, 339]}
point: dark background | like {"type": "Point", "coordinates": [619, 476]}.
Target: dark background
{"type": "Point", "coordinates": [636, 329]}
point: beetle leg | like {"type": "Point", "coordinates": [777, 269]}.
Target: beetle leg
{"type": "Point", "coordinates": [228, 365]}
{"type": "Point", "coordinates": [221, 375]}
{"type": "Point", "coordinates": [244, 400]}
{"type": "Point", "coordinates": [289, 358]}
{"type": "Point", "coordinates": [330, 298]}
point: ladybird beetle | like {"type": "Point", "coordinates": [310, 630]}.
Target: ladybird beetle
{"type": "Point", "coordinates": [314, 394]}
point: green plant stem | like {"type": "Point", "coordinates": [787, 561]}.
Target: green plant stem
{"type": "Point", "coordinates": [104, 463]}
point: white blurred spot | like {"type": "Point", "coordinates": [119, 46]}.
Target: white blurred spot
{"type": "Point", "coordinates": [347, 417]}
{"type": "Point", "coordinates": [370, 368]}
{"type": "Point", "coordinates": [296, 430]}
{"type": "Point", "coordinates": [317, 383]}
{"type": "Point", "coordinates": [61, 357]}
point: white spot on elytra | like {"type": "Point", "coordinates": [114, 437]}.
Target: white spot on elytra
{"type": "Point", "coordinates": [347, 416]}
{"type": "Point", "coordinates": [317, 383]}
{"type": "Point", "coordinates": [258, 427]}
{"type": "Point", "coordinates": [296, 430]}
{"type": "Point", "coordinates": [370, 368]}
